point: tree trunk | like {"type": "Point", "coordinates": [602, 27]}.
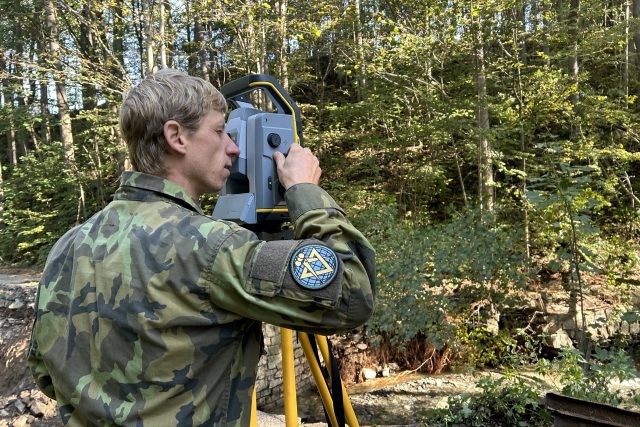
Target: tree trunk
{"type": "Point", "coordinates": [627, 43]}
{"type": "Point", "coordinates": [251, 48]}
{"type": "Point", "coordinates": [149, 40]}
{"type": "Point", "coordinates": [45, 130]}
{"type": "Point", "coordinates": [118, 73]}
{"type": "Point", "coordinates": [1, 189]}
{"type": "Point", "coordinates": [485, 161]}
{"type": "Point", "coordinates": [117, 67]}
{"type": "Point", "coordinates": [173, 43]}
{"type": "Point", "coordinates": [360, 50]}
{"type": "Point", "coordinates": [7, 96]}
{"type": "Point", "coordinates": [66, 133]}
{"type": "Point", "coordinates": [283, 55]}
{"type": "Point", "coordinates": [199, 34]}
{"type": "Point", "coordinates": [574, 66]}
{"type": "Point", "coordinates": [545, 33]}
{"type": "Point", "coordinates": [524, 140]}
{"type": "Point", "coordinates": [88, 47]}
{"type": "Point", "coordinates": [162, 35]}
{"type": "Point", "coordinates": [636, 34]}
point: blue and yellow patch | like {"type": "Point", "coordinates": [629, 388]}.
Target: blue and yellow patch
{"type": "Point", "coordinates": [314, 266]}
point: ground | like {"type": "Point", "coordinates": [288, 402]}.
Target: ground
{"type": "Point", "coordinates": [400, 399]}
{"type": "Point", "coordinates": [21, 403]}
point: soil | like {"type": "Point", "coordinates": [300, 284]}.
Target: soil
{"type": "Point", "coordinates": [400, 399]}
{"type": "Point", "coordinates": [21, 403]}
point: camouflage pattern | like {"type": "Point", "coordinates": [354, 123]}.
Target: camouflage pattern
{"type": "Point", "coordinates": [149, 314]}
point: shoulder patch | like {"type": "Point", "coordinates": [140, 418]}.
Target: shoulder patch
{"type": "Point", "coordinates": [314, 266]}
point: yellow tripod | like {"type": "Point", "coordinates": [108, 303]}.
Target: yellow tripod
{"type": "Point", "coordinates": [288, 379]}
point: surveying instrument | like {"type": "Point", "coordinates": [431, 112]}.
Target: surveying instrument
{"type": "Point", "coordinates": [254, 198]}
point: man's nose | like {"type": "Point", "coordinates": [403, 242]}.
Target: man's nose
{"type": "Point", "coordinates": [233, 149]}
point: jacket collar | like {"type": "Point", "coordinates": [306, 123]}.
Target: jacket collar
{"type": "Point", "coordinates": [144, 187]}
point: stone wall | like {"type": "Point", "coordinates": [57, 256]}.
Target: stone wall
{"type": "Point", "coordinates": [559, 318]}
{"type": "Point", "coordinates": [269, 388]}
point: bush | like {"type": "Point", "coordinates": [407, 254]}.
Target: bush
{"type": "Point", "coordinates": [41, 204]}
{"type": "Point", "coordinates": [431, 277]}
{"type": "Point", "coordinates": [594, 379]}
{"type": "Point", "coordinates": [510, 400]}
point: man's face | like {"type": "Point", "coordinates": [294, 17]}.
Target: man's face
{"type": "Point", "coordinates": [210, 155]}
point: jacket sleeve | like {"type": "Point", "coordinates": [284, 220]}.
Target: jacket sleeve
{"type": "Point", "coordinates": [38, 369]}
{"type": "Point", "coordinates": [322, 281]}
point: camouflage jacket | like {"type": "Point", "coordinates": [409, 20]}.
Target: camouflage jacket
{"type": "Point", "coordinates": [149, 313]}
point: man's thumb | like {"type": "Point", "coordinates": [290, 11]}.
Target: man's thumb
{"type": "Point", "coordinates": [279, 158]}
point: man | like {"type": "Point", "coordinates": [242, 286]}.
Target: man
{"type": "Point", "coordinates": [150, 312]}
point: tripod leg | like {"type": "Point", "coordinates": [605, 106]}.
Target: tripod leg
{"type": "Point", "coordinates": [288, 378]}
{"type": "Point", "coordinates": [349, 413]}
{"type": "Point", "coordinates": [318, 378]}
{"type": "Point", "coordinates": [254, 409]}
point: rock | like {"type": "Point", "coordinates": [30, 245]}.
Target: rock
{"type": "Point", "coordinates": [23, 421]}
{"type": "Point", "coordinates": [559, 340]}
{"type": "Point", "coordinates": [16, 305]}
{"type": "Point", "coordinates": [385, 372]}
{"type": "Point", "coordinates": [361, 346]}
{"type": "Point", "coordinates": [368, 374]}
{"type": "Point", "coordinates": [36, 409]}
{"type": "Point", "coordinates": [19, 405]}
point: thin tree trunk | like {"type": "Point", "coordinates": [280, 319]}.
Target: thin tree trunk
{"type": "Point", "coordinates": [520, 96]}
{"type": "Point", "coordinates": [283, 57]}
{"type": "Point", "coordinates": [45, 129]}
{"type": "Point", "coordinates": [360, 50]}
{"type": "Point", "coordinates": [63, 105]}
{"type": "Point", "coordinates": [251, 30]}
{"type": "Point", "coordinates": [118, 40]}
{"type": "Point", "coordinates": [191, 54]}
{"type": "Point", "coordinates": [460, 178]}
{"type": "Point", "coordinates": [1, 188]}
{"type": "Point", "coordinates": [636, 34]}
{"type": "Point", "coordinates": [61, 89]}
{"type": "Point", "coordinates": [485, 162]}
{"type": "Point", "coordinates": [627, 43]}
{"type": "Point", "coordinates": [88, 46]}
{"type": "Point", "coordinates": [7, 104]}
{"type": "Point", "coordinates": [149, 40]}
{"type": "Point", "coordinates": [139, 31]}
{"type": "Point", "coordinates": [545, 33]}
{"type": "Point", "coordinates": [162, 35]}
{"type": "Point", "coordinates": [117, 71]}
{"type": "Point", "coordinates": [574, 66]}
{"type": "Point", "coordinates": [199, 39]}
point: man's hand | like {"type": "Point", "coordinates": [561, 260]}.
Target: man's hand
{"type": "Point", "coordinates": [300, 166]}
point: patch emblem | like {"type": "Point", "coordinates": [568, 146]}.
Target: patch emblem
{"type": "Point", "coordinates": [314, 266]}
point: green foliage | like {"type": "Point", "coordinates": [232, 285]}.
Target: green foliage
{"type": "Point", "coordinates": [595, 379]}
{"type": "Point", "coordinates": [430, 275]}
{"type": "Point", "coordinates": [513, 399]}
{"type": "Point", "coordinates": [478, 347]}
{"type": "Point", "coordinates": [509, 400]}
{"type": "Point", "coordinates": [41, 203]}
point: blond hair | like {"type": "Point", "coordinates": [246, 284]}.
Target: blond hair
{"type": "Point", "coordinates": [166, 95]}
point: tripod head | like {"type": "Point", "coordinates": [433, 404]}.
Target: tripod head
{"type": "Point", "coordinates": [252, 193]}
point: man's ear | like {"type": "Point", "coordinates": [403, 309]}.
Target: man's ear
{"type": "Point", "coordinates": [174, 137]}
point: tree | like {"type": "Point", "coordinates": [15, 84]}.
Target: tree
{"type": "Point", "coordinates": [55, 60]}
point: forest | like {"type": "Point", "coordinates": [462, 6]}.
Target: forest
{"type": "Point", "coordinates": [481, 145]}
